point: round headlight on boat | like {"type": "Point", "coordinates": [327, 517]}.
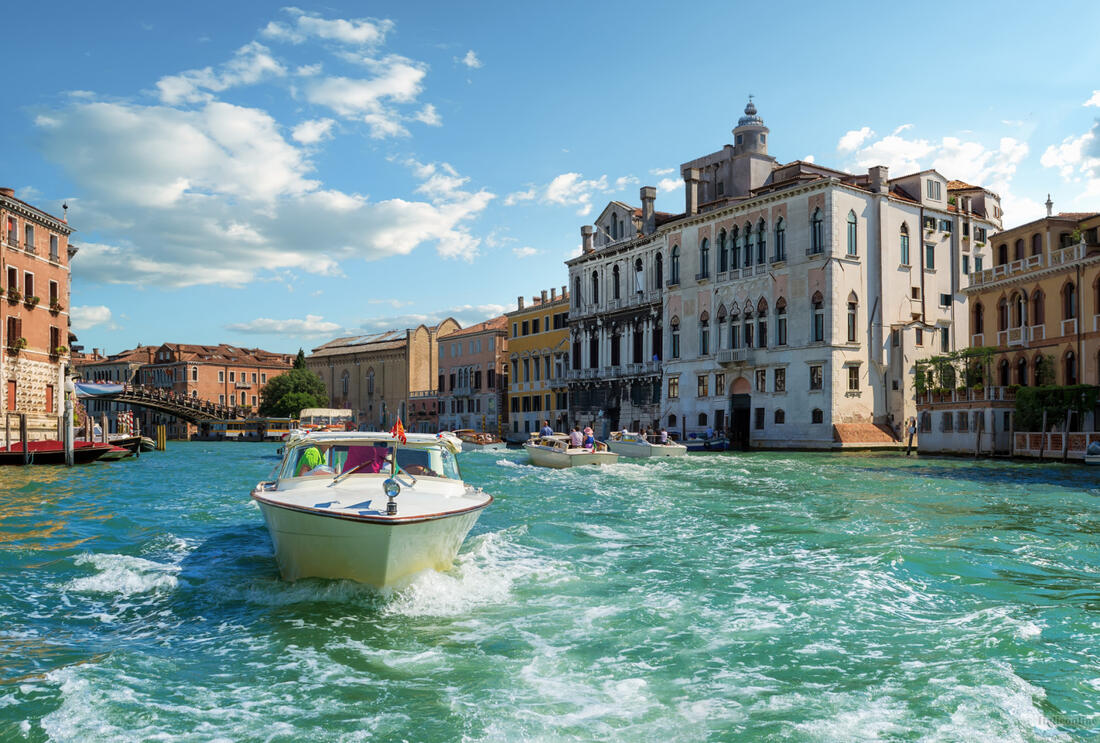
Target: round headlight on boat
{"type": "Point", "coordinates": [391, 487]}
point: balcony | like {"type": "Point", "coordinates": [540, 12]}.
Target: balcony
{"type": "Point", "coordinates": [702, 275]}
{"type": "Point", "coordinates": [736, 357]}
{"type": "Point", "coordinates": [987, 394]}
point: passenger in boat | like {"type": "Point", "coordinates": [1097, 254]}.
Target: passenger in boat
{"type": "Point", "coordinates": [312, 462]}
{"type": "Point", "coordinates": [664, 435]}
{"type": "Point", "coordinates": [576, 440]}
{"type": "Point", "coordinates": [589, 440]}
{"type": "Point", "coordinates": [546, 430]}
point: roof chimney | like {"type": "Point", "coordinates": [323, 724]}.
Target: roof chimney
{"type": "Point", "coordinates": [691, 191]}
{"type": "Point", "coordinates": [519, 301]}
{"type": "Point", "coordinates": [10, 192]}
{"type": "Point", "coordinates": [553, 294]}
{"type": "Point", "coordinates": [879, 177]}
{"type": "Point", "coordinates": [1050, 207]}
{"type": "Point", "coordinates": [588, 233]}
{"type": "Point", "coordinates": [649, 218]}
{"type": "Point", "coordinates": [544, 296]}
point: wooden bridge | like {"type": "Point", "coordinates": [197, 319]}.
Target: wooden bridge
{"type": "Point", "coordinates": [190, 409]}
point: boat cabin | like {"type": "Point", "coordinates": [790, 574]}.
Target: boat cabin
{"type": "Point", "coordinates": [331, 456]}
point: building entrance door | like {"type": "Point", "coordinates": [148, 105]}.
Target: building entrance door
{"type": "Point", "coordinates": [740, 405]}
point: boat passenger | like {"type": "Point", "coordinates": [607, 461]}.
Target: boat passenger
{"type": "Point", "coordinates": [589, 440]}
{"type": "Point", "coordinates": [576, 440]}
{"type": "Point", "coordinates": [546, 430]}
{"type": "Point", "coordinates": [312, 462]}
{"type": "Point", "coordinates": [664, 435]}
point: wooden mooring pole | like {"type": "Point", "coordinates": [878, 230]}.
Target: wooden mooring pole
{"type": "Point", "coordinates": [162, 437]}
{"type": "Point", "coordinates": [23, 438]}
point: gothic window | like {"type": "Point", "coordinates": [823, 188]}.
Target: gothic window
{"type": "Point", "coordinates": [704, 334]}
{"type": "Point", "coordinates": [852, 246]}
{"type": "Point", "coordinates": [761, 243]}
{"type": "Point", "coordinates": [781, 322]}
{"type": "Point", "coordinates": [1069, 301]}
{"type": "Point", "coordinates": [1036, 244]}
{"type": "Point", "coordinates": [780, 240]}
{"type": "Point", "coordinates": [615, 288]}
{"type": "Point", "coordinates": [1037, 314]}
{"type": "Point", "coordinates": [762, 323]}
{"type": "Point", "coordinates": [1070, 373]}
{"type": "Point", "coordinates": [704, 258]}
{"type": "Point", "coordinates": [659, 270]}
{"type": "Point", "coordinates": [1002, 314]}
{"type": "Point", "coordinates": [723, 252]}
{"type": "Point", "coordinates": [674, 269]}
{"type": "Point", "coordinates": [576, 293]}
{"type": "Point", "coordinates": [817, 232]}
{"type": "Point", "coordinates": [979, 319]}
{"type": "Point", "coordinates": [1021, 372]}
{"type": "Point", "coordinates": [639, 277]}
{"type": "Point", "coordinates": [1018, 250]}
{"type": "Point", "coordinates": [853, 305]}
{"type": "Point", "coordinates": [735, 248]}
{"type": "Point", "coordinates": [748, 244]}
{"type": "Point", "coordinates": [595, 288]}
{"type": "Point", "coordinates": [904, 240]}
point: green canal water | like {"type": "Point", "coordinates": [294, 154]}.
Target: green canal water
{"type": "Point", "coordinates": [737, 597]}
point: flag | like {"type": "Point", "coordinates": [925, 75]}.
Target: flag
{"type": "Point", "coordinates": [398, 432]}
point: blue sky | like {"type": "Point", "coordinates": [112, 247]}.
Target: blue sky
{"type": "Point", "coordinates": [275, 176]}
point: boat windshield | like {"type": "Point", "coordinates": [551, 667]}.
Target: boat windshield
{"type": "Point", "coordinates": [321, 458]}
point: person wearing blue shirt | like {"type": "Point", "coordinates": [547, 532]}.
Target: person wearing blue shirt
{"type": "Point", "coordinates": [546, 430]}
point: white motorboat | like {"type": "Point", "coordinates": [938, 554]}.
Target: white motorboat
{"type": "Point", "coordinates": [475, 441]}
{"type": "Point", "coordinates": [629, 444]}
{"type": "Point", "coordinates": [555, 451]}
{"type": "Point", "coordinates": [366, 507]}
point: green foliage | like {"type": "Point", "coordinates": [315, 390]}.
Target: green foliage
{"type": "Point", "coordinates": [1032, 401]}
{"type": "Point", "coordinates": [300, 360]}
{"type": "Point", "coordinates": [1044, 371]}
{"type": "Point", "coordinates": [284, 396]}
{"type": "Point", "coordinates": [970, 367]}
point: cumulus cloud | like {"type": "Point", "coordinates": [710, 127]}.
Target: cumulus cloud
{"type": "Point", "coordinates": [852, 140]}
{"type": "Point", "coordinates": [570, 189]}
{"type": "Point", "coordinates": [303, 25]}
{"type": "Point", "coordinates": [1094, 100]}
{"type": "Point", "coordinates": [312, 132]}
{"type": "Point", "coordinates": [1072, 157]}
{"type": "Point", "coordinates": [669, 184]}
{"type": "Point", "coordinates": [375, 100]}
{"type": "Point", "coordinates": [524, 252]}
{"type": "Point", "coordinates": [517, 196]}
{"type": "Point", "coordinates": [311, 325]}
{"type": "Point", "coordinates": [89, 316]}
{"type": "Point", "coordinates": [662, 171]}
{"type": "Point", "coordinates": [465, 314]}
{"type": "Point", "coordinates": [217, 195]}
{"type": "Point", "coordinates": [251, 64]}
{"type": "Point", "coordinates": [470, 60]}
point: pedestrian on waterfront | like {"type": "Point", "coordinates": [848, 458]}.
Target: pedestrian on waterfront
{"type": "Point", "coordinates": [546, 430]}
{"type": "Point", "coordinates": [576, 440]}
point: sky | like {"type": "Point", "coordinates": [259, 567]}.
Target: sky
{"type": "Point", "coordinates": [276, 176]}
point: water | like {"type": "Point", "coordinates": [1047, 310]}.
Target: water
{"type": "Point", "coordinates": [760, 596]}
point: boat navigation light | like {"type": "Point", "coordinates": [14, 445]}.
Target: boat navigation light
{"type": "Point", "coordinates": [391, 488]}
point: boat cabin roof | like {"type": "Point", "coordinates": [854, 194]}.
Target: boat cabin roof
{"type": "Point", "coordinates": [380, 438]}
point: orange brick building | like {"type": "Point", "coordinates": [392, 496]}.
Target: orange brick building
{"type": "Point", "coordinates": [34, 313]}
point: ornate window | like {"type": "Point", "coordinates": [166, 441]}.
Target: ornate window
{"type": "Point", "coordinates": [704, 258]}
{"type": "Point", "coordinates": [1069, 301]}
{"type": "Point", "coordinates": [818, 318]}
{"type": "Point", "coordinates": [781, 322]}
{"type": "Point", "coordinates": [1002, 314]}
{"type": "Point", "coordinates": [1070, 368]}
{"type": "Point", "coordinates": [1037, 304]}
{"type": "Point", "coordinates": [1037, 244]}
{"type": "Point", "coordinates": [704, 334]}
{"type": "Point", "coordinates": [735, 331]}
{"type": "Point", "coordinates": [904, 240]}
{"type": "Point", "coordinates": [1018, 250]}
{"type": "Point", "coordinates": [762, 324]}
{"type": "Point", "coordinates": [761, 243]}
{"type": "Point", "coordinates": [852, 245]}
{"type": "Point", "coordinates": [595, 287]}
{"type": "Point", "coordinates": [1021, 372]}
{"type": "Point", "coordinates": [659, 271]}
{"type": "Point", "coordinates": [615, 293]}
{"type": "Point", "coordinates": [817, 232]}
{"type": "Point", "coordinates": [853, 305]}
{"type": "Point", "coordinates": [674, 333]}
{"type": "Point", "coordinates": [748, 244]}
{"type": "Point", "coordinates": [674, 268]}
{"type": "Point", "coordinates": [746, 328]}
{"type": "Point", "coordinates": [979, 319]}
{"type": "Point", "coordinates": [735, 248]}
{"type": "Point", "coordinates": [723, 252]}
{"type": "Point", "coordinates": [780, 240]}
{"type": "Point", "coordinates": [576, 293]}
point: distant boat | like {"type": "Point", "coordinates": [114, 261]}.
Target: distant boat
{"type": "Point", "coordinates": [555, 451]}
{"type": "Point", "coordinates": [630, 444]}
{"type": "Point", "coordinates": [365, 507]}
{"type": "Point", "coordinates": [52, 451]}
{"type": "Point", "coordinates": [474, 441]}
{"type": "Point", "coordinates": [714, 443]}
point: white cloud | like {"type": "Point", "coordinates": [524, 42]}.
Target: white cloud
{"type": "Point", "coordinates": [356, 32]}
{"type": "Point", "coordinates": [470, 60]}
{"type": "Point", "coordinates": [666, 185]}
{"type": "Point", "coordinates": [517, 196]}
{"type": "Point", "coordinates": [312, 132]}
{"type": "Point", "coordinates": [1070, 157]}
{"type": "Point", "coordinates": [808, 159]}
{"type": "Point", "coordinates": [662, 171]}
{"type": "Point", "coordinates": [218, 196]}
{"type": "Point", "coordinates": [853, 139]}
{"type": "Point", "coordinates": [901, 129]}
{"type": "Point", "coordinates": [308, 70]}
{"type": "Point", "coordinates": [251, 63]}
{"type": "Point", "coordinates": [524, 252]}
{"type": "Point", "coordinates": [465, 314]}
{"type": "Point", "coordinates": [1094, 100]}
{"type": "Point", "coordinates": [571, 189]}
{"type": "Point", "coordinates": [428, 115]}
{"type": "Point", "coordinates": [374, 100]}
{"type": "Point", "coordinates": [312, 325]}
{"type": "Point", "coordinates": [899, 154]}
{"type": "Point", "coordinates": [624, 181]}
{"type": "Point", "coordinates": [88, 316]}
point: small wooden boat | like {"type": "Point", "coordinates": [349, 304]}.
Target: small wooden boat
{"type": "Point", "coordinates": [365, 507]}
{"type": "Point", "coordinates": [555, 451]}
{"type": "Point", "coordinates": [629, 444]}
{"type": "Point", "coordinates": [52, 451]}
{"type": "Point", "coordinates": [126, 441]}
{"type": "Point", "coordinates": [478, 441]}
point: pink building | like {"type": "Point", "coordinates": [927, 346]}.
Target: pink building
{"type": "Point", "coordinates": [472, 382]}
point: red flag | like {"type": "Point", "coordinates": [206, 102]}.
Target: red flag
{"type": "Point", "coordinates": [398, 432]}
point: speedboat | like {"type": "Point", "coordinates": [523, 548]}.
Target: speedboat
{"type": "Point", "coordinates": [475, 441]}
{"type": "Point", "coordinates": [368, 507]}
{"type": "Point", "coordinates": [714, 443]}
{"type": "Point", "coordinates": [629, 444]}
{"type": "Point", "coordinates": [555, 451]}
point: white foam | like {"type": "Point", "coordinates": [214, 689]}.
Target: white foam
{"type": "Point", "coordinates": [124, 575]}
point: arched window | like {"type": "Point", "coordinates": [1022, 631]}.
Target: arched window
{"type": "Point", "coordinates": [853, 305]}
{"type": "Point", "coordinates": [780, 240]}
{"type": "Point", "coordinates": [720, 333]}
{"type": "Point", "coordinates": [615, 289]}
{"type": "Point", "coordinates": [1036, 244]}
{"type": "Point", "coordinates": [1017, 310]}
{"type": "Point", "coordinates": [1038, 315]}
{"type": "Point", "coordinates": [747, 327]}
{"type": "Point", "coordinates": [659, 271]}
{"type": "Point", "coordinates": [816, 416]}
{"type": "Point", "coordinates": [735, 248]}
{"type": "Point", "coordinates": [595, 287]}
{"type": "Point", "coordinates": [370, 383]}
{"type": "Point", "coordinates": [748, 244]}
{"type": "Point", "coordinates": [818, 303]}
{"type": "Point", "coordinates": [817, 232]}
{"type": "Point", "coordinates": [1038, 373]}
{"type": "Point", "coordinates": [704, 333]}
{"type": "Point", "coordinates": [674, 269]}
{"type": "Point", "coordinates": [723, 252]}
{"type": "Point", "coordinates": [672, 420]}
{"type": "Point", "coordinates": [1021, 372]}
{"type": "Point", "coordinates": [674, 333]}
{"type": "Point", "coordinates": [1069, 372]}
{"type": "Point", "coordinates": [761, 242]}
{"type": "Point", "coordinates": [1003, 372]}
{"type": "Point", "coordinates": [853, 248]}
{"type": "Point", "coordinates": [762, 323]}
{"type": "Point", "coordinates": [1002, 254]}
{"type": "Point", "coordinates": [1002, 314]}
{"type": "Point", "coordinates": [781, 322]}
{"type": "Point", "coordinates": [1018, 250]}
{"type": "Point", "coordinates": [702, 419]}
{"type": "Point", "coordinates": [577, 292]}
{"type": "Point", "coordinates": [979, 319]}
{"type": "Point", "coordinates": [904, 241]}
{"type": "Point", "coordinates": [704, 259]}
{"type": "Point", "coordinates": [780, 416]}
{"type": "Point", "coordinates": [1069, 301]}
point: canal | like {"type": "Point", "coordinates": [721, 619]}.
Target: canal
{"type": "Point", "coordinates": [757, 596]}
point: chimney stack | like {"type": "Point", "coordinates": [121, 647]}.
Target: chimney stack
{"type": "Point", "coordinates": [691, 191]}
{"type": "Point", "coordinates": [544, 296]}
{"type": "Point", "coordinates": [880, 179]}
{"type": "Point", "coordinates": [519, 301]}
{"type": "Point", "coordinates": [563, 292]}
{"type": "Point", "coordinates": [588, 236]}
{"type": "Point", "coordinates": [1050, 207]}
{"type": "Point", "coordinates": [649, 217]}
{"type": "Point", "coordinates": [10, 192]}
{"type": "Point", "coordinates": [553, 294]}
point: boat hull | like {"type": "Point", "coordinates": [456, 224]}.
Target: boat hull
{"type": "Point", "coordinates": [561, 460]}
{"type": "Point", "coordinates": [645, 450]}
{"type": "Point", "coordinates": [495, 446]}
{"type": "Point", "coordinates": [707, 444]}
{"type": "Point", "coordinates": [380, 554]}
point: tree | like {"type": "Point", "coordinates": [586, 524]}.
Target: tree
{"type": "Point", "coordinates": [286, 395]}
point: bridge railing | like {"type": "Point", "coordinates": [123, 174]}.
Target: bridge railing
{"type": "Point", "coordinates": [172, 398]}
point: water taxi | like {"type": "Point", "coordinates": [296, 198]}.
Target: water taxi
{"type": "Point", "coordinates": [629, 444]}
{"type": "Point", "coordinates": [555, 451]}
{"type": "Point", "coordinates": [368, 507]}
{"type": "Point", "coordinates": [474, 441]}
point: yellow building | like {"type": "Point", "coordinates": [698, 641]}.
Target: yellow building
{"type": "Point", "coordinates": [538, 356]}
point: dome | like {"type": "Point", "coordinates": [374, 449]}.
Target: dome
{"type": "Point", "coordinates": [750, 118]}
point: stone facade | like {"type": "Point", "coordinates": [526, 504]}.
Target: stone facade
{"type": "Point", "coordinates": [472, 378]}
{"type": "Point", "coordinates": [538, 361]}
{"type": "Point", "coordinates": [34, 314]}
